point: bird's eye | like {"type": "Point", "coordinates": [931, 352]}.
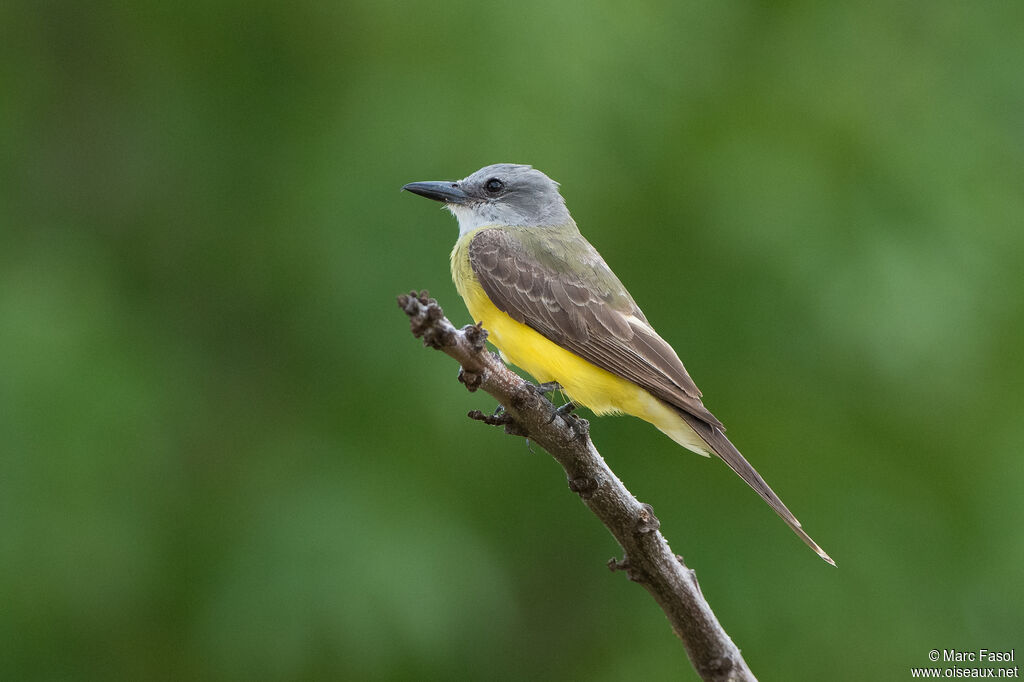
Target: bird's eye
{"type": "Point", "coordinates": [494, 185]}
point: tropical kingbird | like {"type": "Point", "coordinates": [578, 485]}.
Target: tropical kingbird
{"type": "Point", "coordinates": [553, 307]}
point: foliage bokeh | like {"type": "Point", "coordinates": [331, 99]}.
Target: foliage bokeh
{"type": "Point", "coordinates": [224, 457]}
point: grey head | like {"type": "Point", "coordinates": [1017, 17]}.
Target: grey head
{"type": "Point", "coordinates": [499, 194]}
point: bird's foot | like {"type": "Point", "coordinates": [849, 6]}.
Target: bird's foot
{"type": "Point", "coordinates": [565, 409]}
{"type": "Point", "coordinates": [562, 411]}
{"type": "Point", "coordinates": [548, 387]}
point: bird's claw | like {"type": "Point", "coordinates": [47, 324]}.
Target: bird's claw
{"type": "Point", "coordinates": [548, 387]}
{"type": "Point", "coordinates": [563, 411]}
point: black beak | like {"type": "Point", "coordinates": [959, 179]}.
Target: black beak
{"type": "Point", "coordinates": [448, 192]}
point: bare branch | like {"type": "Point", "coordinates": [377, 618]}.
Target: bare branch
{"type": "Point", "coordinates": [648, 559]}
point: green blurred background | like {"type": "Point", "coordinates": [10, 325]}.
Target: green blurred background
{"type": "Point", "coordinates": [223, 457]}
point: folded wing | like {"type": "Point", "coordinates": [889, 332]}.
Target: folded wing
{"type": "Point", "coordinates": [554, 281]}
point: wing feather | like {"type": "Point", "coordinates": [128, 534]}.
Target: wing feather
{"type": "Point", "coordinates": [582, 306]}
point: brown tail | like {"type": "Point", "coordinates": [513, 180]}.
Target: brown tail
{"type": "Point", "coordinates": [722, 447]}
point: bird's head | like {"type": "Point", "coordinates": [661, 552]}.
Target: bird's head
{"type": "Point", "coordinates": [499, 194]}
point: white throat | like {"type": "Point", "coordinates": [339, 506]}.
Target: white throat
{"type": "Point", "coordinates": [470, 219]}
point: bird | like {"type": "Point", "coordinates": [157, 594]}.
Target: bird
{"type": "Point", "coordinates": [553, 307]}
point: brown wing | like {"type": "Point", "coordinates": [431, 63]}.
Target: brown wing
{"type": "Point", "coordinates": [554, 281]}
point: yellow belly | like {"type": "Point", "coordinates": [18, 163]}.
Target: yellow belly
{"type": "Point", "coordinates": [583, 382]}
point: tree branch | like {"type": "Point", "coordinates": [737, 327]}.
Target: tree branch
{"type": "Point", "coordinates": [647, 559]}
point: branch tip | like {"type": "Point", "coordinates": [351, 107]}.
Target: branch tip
{"type": "Point", "coordinates": [427, 320]}
{"type": "Point", "coordinates": [499, 418]}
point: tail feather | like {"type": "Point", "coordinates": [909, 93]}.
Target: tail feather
{"type": "Point", "coordinates": [722, 447]}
